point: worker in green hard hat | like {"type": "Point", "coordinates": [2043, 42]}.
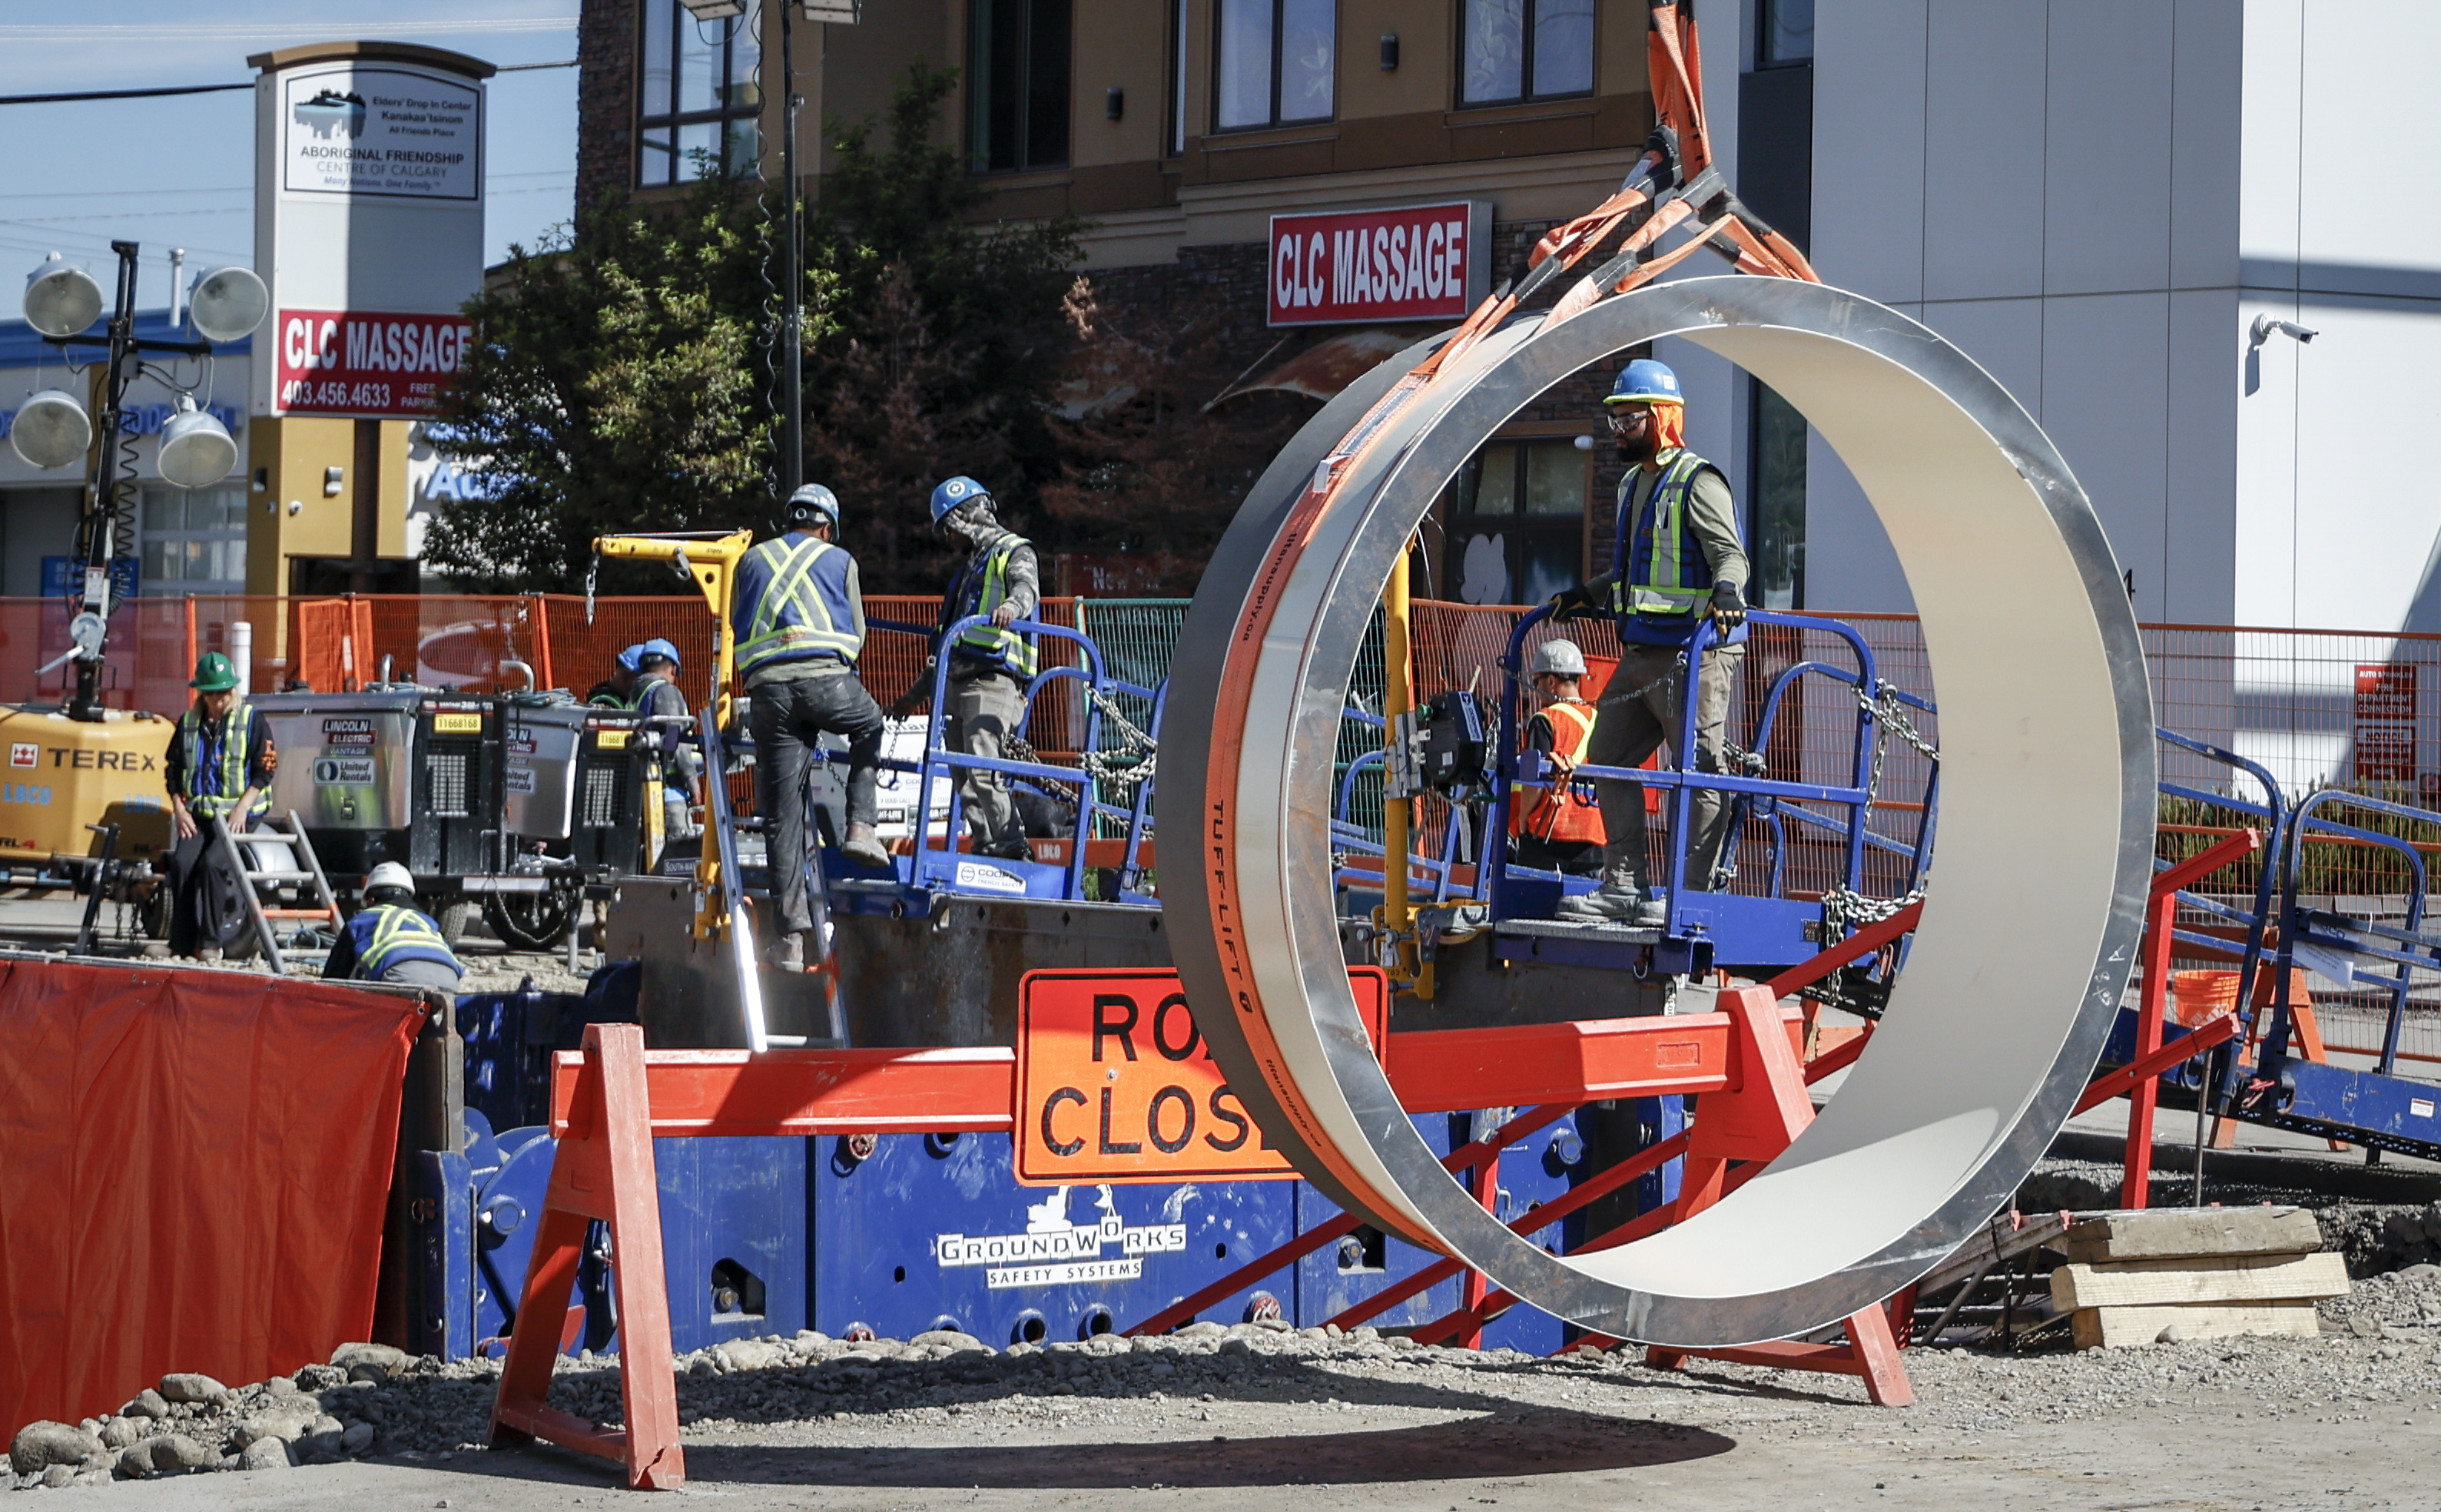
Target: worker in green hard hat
{"type": "Point", "coordinates": [219, 765]}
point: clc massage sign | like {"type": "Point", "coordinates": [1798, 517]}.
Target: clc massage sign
{"type": "Point", "coordinates": [1417, 263]}
{"type": "Point", "coordinates": [369, 365]}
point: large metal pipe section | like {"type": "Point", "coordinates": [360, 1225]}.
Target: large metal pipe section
{"type": "Point", "coordinates": [2046, 827]}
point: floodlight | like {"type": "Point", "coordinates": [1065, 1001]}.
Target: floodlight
{"type": "Point", "coordinates": [196, 450]}
{"type": "Point", "coordinates": [837, 13]}
{"type": "Point", "coordinates": [714, 9]}
{"type": "Point", "coordinates": [228, 303]}
{"type": "Point", "coordinates": [51, 429]}
{"type": "Point", "coordinates": [62, 299]}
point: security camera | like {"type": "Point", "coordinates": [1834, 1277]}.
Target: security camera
{"type": "Point", "coordinates": [2264, 326]}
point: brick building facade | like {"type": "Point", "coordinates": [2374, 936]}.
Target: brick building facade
{"type": "Point", "coordinates": [1177, 132]}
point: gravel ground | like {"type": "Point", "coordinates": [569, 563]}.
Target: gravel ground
{"type": "Point", "coordinates": [1368, 1421]}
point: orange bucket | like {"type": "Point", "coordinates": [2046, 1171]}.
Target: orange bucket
{"type": "Point", "coordinates": [2200, 996]}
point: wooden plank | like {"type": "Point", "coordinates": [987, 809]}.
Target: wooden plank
{"type": "Point", "coordinates": [2118, 1327]}
{"type": "Point", "coordinates": [2213, 1279]}
{"type": "Point", "coordinates": [2163, 1232]}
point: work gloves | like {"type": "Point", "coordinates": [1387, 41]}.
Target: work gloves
{"type": "Point", "coordinates": [1729, 607]}
{"type": "Point", "coordinates": [1578, 603]}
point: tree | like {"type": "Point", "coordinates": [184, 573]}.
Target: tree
{"type": "Point", "coordinates": [614, 386]}
{"type": "Point", "coordinates": [942, 340]}
{"type": "Point", "coordinates": [1152, 467]}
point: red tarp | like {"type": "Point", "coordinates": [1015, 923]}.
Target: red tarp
{"type": "Point", "coordinates": [193, 1167]}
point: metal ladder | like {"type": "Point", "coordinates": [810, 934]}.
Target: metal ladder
{"type": "Point", "coordinates": [281, 881]}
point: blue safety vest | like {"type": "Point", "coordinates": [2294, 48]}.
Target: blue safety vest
{"type": "Point", "coordinates": [793, 604]}
{"type": "Point", "coordinates": [978, 590]}
{"type": "Point", "coordinates": [388, 934]}
{"type": "Point", "coordinates": [1663, 582]}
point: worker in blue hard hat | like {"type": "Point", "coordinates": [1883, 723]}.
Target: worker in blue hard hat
{"type": "Point", "coordinates": [1676, 562]}
{"type": "Point", "coordinates": [798, 622]}
{"type": "Point", "coordinates": [990, 664]}
{"type": "Point", "coordinates": [655, 693]}
{"type": "Point", "coordinates": [219, 765]}
{"type": "Point", "coordinates": [390, 939]}
{"type": "Point", "coordinates": [617, 690]}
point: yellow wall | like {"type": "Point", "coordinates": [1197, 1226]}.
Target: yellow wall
{"type": "Point", "coordinates": [289, 453]}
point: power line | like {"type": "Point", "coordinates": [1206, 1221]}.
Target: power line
{"type": "Point", "coordinates": [123, 31]}
{"type": "Point", "coordinates": [201, 89]}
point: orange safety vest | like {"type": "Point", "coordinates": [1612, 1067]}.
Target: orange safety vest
{"type": "Point", "coordinates": [1566, 811]}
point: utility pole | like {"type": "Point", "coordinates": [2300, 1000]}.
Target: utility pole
{"type": "Point", "coordinates": [792, 319]}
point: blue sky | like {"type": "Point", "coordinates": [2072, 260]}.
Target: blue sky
{"type": "Point", "coordinates": [179, 172]}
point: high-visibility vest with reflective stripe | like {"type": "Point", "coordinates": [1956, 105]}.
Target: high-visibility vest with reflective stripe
{"type": "Point", "coordinates": [980, 593]}
{"type": "Point", "coordinates": [1661, 567]}
{"type": "Point", "coordinates": [793, 604]}
{"type": "Point", "coordinates": [1559, 812]}
{"type": "Point", "coordinates": [230, 767]}
{"type": "Point", "coordinates": [388, 934]}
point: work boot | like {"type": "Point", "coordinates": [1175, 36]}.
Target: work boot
{"type": "Point", "coordinates": [789, 951]}
{"type": "Point", "coordinates": [1009, 848]}
{"type": "Point", "coordinates": [1613, 903]}
{"type": "Point", "coordinates": [861, 848]}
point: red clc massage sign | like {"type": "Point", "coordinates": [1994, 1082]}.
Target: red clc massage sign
{"type": "Point", "coordinates": [1416, 262]}
{"type": "Point", "coordinates": [367, 363]}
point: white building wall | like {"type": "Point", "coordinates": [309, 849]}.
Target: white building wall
{"type": "Point", "coordinates": [2049, 184]}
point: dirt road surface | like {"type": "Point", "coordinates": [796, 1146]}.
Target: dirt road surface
{"type": "Point", "coordinates": [2345, 1421]}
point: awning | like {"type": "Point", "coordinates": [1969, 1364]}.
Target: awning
{"type": "Point", "coordinates": [1323, 368]}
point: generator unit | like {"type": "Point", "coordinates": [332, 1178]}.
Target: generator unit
{"type": "Point", "coordinates": [412, 775]}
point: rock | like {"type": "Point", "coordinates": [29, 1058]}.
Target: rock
{"type": "Point", "coordinates": [265, 1455]}
{"type": "Point", "coordinates": [322, 1441]}
{"type": "Point", "coordinates": [188, 1387]}
{"type": "Point", "coordinates": [319, 1378]}
{"type": "Point", "coordinates": [41, 1445]}
{"type": "Point", "coordinates": [1206, 1328]}
{"type": "Point", "coordinates": [177, 1451]}
{"type": "Point", "coordinates": [356, 1438]}
{"type": "Point", "coordinates": [280, 1386]}
{"type": "Point", "coordinates": [390, 1361]}
{"type": "Point", "coordinates": [58, 1475]}
{"type": "Point", "coordinates": [119, 1433]}
{"type": "Point", "coordinates": [148, 1403]}
{"type": "Point", "coordinates": [948, 1338]}
{"type": "Point", "coordinates": [273, 1425]}
{"type": "Point", "coordinates": [136, 1460]}
{"type": "Point", "coordinates": [748, 1354]}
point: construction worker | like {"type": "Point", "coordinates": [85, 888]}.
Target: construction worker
{"type": "Point", "coordinates": [1678, 561]}
{"type": "Point", "coordinates": [990, 664]}
{"type": "Point", "coordinates": [219, 765]}
{"type": "Point", "coordinates": [617, 690]}
{"type": "Point", "coordinates": [655, 693]}
{"type": "Point", "coordinates": [390, 940]}
{"type": "Point", "coordinates": [1552, 828]}
{"type": "Point", "coordinates": [798, 623]}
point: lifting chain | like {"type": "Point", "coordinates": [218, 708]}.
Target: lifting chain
{"type": "Point", "coordinates": [1133, 762]}
{"type": "Point", "coordinates": [1890, 715]}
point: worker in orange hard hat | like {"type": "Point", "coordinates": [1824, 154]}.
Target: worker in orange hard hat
{"type": "Point", "coordinates": [1677, 562]}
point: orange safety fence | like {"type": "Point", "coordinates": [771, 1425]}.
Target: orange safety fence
{"type": "Point", "coordinates": [197, 1166]}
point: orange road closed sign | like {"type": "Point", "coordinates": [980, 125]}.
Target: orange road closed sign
{"type": "Point", "coordinates": [1114, 1083]}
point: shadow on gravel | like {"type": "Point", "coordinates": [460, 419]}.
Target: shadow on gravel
{"type": "Point", "coordinates": [1516, 1441]}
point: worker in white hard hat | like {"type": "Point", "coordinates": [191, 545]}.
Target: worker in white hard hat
{"type": "Point", "coordinates": [1557, 826]}
{"type": "Point", "coordinates": [390, 940]}
{"type": "Point", "coordinates": [1677, 562]}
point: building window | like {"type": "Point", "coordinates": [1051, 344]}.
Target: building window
{"type": "Point", "coordinates": [1784, 38]}
{"type": "Point", "coordinates": [1515, 522]}
{"type": "Point", "coordinates": [193, 541]}
{"type": "Point", "coordinates": [1276, 62]}
{"type": "Point", "coordinates": [1514, 50]}
{"type": "Point", "coordinates": [1775, 526]}
{"type": "Point", "coordinates": [1017, 60]}
{"type": "Point", "coordinates": [702, 95]}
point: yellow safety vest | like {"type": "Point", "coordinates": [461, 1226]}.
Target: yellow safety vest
{"type": "Point", "coordinates": [234, 730]}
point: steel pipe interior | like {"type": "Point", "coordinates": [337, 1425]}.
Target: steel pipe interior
{"type": "Point", "coordinates": [2044, 854]}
